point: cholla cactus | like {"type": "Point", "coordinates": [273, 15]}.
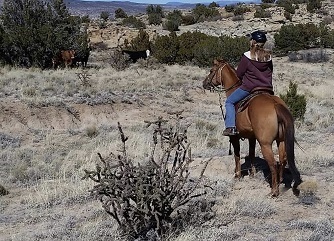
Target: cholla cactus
{"type": "Point", "coordinates": [143, 197]}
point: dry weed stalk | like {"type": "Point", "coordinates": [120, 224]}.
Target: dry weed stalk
{"type": "Point", "coordinates": [84, 77]}
{"type": "Point", "coordinates": [143, 197]}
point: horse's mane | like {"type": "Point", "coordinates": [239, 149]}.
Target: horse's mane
{"type": "Point", "coordinates": [230, 67]}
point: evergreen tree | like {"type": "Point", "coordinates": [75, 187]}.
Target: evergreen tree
{"type": "Point", "coordinates": [33, 31]}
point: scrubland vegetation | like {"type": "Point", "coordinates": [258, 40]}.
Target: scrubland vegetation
{"type": "Point", "coordinates": [58, 126]}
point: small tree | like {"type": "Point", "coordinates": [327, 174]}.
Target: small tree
{"type": "Point", "coordinates": [202, 12]}
{"type": "Point", "coordinates": [119, 13]}
{"type": "Point", "coordinates": [213, 5]}
{"type": "Point", "coordinates": [174, 21]}
{"type": "Point", "coordinates": [313, 5]}
{"type": "Point", "coordinates": [155, 14]}
{"type": "Point", "coordinates": [104, 16]}
{"type": "Point", "coordinates": [133, 22]}
{"type": "Point", "coordinates": [295, 102]}
{"type": "Point", "coordinates": [164, 54]}
{"type": "Point", "coordinates": [141, 42]}
{"type": "Point", "coordinates": [33, 31]}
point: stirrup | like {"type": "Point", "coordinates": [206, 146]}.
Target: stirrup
{"type": "Point", "coordinates": [230, 131]}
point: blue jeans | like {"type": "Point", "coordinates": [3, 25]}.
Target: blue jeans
{"type": "Point", "coordinates": [236, 96]}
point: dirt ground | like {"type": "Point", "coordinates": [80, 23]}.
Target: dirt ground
{"type": "Point", "coordinates": [247, 212]}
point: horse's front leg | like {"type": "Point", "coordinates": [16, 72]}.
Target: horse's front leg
{"type": "Point", "coordinates": [236, 149]}
{"type": "Point", "coordinates": [251, 154]}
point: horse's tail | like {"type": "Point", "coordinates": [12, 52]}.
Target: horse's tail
{"type": "Point", "coordinates": [285, 118]}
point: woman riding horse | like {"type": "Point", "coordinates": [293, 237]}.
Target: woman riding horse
{"type": "Point", "coordinates": [255, 70]}
{"type": "Point", "coordinates": [265, 119]}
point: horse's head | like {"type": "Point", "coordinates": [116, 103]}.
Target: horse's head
{"type": "Point", "coordinates": [222, 74]}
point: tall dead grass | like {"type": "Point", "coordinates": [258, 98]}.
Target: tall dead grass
{"type": "Point", "coordinates": [41, 167]}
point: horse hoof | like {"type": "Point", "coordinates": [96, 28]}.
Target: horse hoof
{"type": "Point", "coordinates": [274, 193]}
{"type": "Point", "coordinates": [296, 191]}
{"type": "Point", "coordinates": [236, 176]}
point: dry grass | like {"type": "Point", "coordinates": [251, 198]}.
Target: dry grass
{"type": "Point", "coordinates": [53, 126]}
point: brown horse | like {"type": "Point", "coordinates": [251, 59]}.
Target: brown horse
{"type": "Point", "coordinates": [265, 119]}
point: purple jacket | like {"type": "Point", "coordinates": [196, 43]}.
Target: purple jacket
{"type": "Point", "coordinates": [254, 73]}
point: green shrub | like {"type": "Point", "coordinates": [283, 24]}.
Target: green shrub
{"type": "Point", "coordinates": [260, 13]}
{"type": "Point", "coordinates": [154, 9]}
{"type": "Point", "coordinates": [133, 22]}
{"type": "Point", "coordinates": [287, 5]}
{"type": "Point", "coordinates": [300, 36]}
{"type": "Point", "coordinates": [202, 13]}
{"type": "Point", "coordinates": [198, 48]}
{"type": "Point", "coordinates": [313, 5]}
{"type": "Point", "coordinates": [287, 16]}
{"type": "Point", "coordinates": [295, 102]}
{"type": "Point", "coordinates": [174, 20]}
{"type": "Point", "coordinates": [85, 19]}
{"type": "Point", "coordinates": [171, 25]}
{"type": "Point", "coordinates": [327, 38]}
{"type": "Point", "coordinates": [32, 32]}
{"type": "Point", "coordinates": [207, 50]}
{"type": "Point", "coordinates": [187, 41]}
{"type": "Point", "coordinates": [155, 14]}
{"type": "Point", "coordinates": [166, 48]}
{"type": "Point", "coordinates": [141, 42]}
{"type": "Point", "coordinates": [233, 48]}
{"type": "Point", "coordinates": [104, 15]}
{"type": "Point", "coordinates": [213, 5]}
{"type": "Point", "coordinates": [265, 5]}
{"type": "Point", "coordinates": [120, 13]}
{"type": "Point", "coordinates": [154, 18]}
{"type": "Point", "coordinates": [240, 10]}
{"type": "Point", "coordinates": [188, 19]}
{"type": "Point", "coordinates": [229, 8]}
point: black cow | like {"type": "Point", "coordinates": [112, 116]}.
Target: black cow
{"type": "Point", "coordinates": [135, 55]}
{"type": "Point", "coordinates": [81, 57]}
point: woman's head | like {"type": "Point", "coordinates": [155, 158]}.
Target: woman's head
{"type": "Point", "coordinates": [257, 41]}
{"type": "Point", "coordinates": [258, 37]}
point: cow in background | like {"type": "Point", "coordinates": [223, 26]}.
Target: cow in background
{"type": "Point", "coordinates": [63, 58]}
{"type": "Point", "coordinates": [81, 57]}
{"type": "Point", "coordinates": [135, 55]}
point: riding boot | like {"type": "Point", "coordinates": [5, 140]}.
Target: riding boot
{"type": "Point", "coordinates": [230, 131]}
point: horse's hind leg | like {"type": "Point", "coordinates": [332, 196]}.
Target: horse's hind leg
{"type": "Point", "coordinates": [282, 159]}
{"type": "Point", "coordinates": [251, 154]}
{"type": "Point", "coordinates": [236, 149]}
{"type": "Point", "coordinates": [268, 155]}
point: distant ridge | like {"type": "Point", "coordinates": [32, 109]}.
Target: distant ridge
{"type": "Point", "coordinates": [220, 3]}
{"type": "Point", "coordinates": [94, 8]}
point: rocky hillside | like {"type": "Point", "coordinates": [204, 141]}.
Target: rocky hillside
{"type": "Point", "coordinates": [225, 26]}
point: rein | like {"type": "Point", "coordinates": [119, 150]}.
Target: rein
{"type": "Point", "coordinates": [222, 88]}
{"type": "Point", "coordinates": [220, 69]}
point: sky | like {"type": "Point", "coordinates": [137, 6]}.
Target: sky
{"type": "Point", "coordinates": [166, 1]}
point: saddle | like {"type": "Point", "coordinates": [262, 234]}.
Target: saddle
{"type": "Point", "coordinates": [242, 104]}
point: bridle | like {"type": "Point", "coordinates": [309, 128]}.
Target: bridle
{"type": "Point", "coordinates": [213, 87]}
{"type": "Point", "coordinates": [219, 71]}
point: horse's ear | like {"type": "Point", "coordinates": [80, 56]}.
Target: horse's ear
{"type": "Point", "coordinates": [215, 62]}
